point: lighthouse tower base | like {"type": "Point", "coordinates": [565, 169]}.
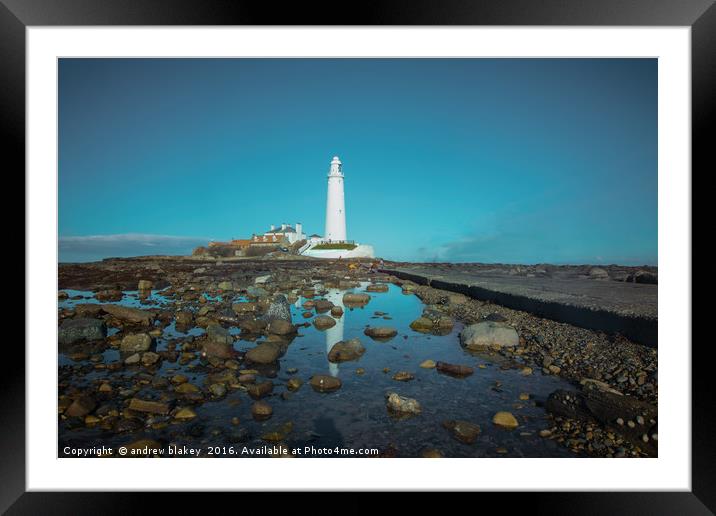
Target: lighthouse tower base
{"type": "Point", "coordinates": [360, 251]}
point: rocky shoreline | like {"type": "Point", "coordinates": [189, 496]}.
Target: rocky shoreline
{"type": "Point", "coordinates": [610, 411]}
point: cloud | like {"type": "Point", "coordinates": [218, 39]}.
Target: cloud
{"type": "Point", "coordinates": [97, 247]}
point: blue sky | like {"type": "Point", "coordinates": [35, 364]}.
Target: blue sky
{"type": "Point", "coordinates": [489, 160]}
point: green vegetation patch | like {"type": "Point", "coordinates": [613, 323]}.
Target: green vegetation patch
{"type": "Point", "coordinates": [320, 247]}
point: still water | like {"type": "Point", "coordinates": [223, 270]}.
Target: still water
{"type": "Point", "coordinates": [355, 416]}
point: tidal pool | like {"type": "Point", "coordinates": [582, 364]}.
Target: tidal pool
{"type": "Point", "coordinates": [355, 416]}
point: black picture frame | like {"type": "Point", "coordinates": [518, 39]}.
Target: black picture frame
{"type": "Point", "coordinates": [700, 15]}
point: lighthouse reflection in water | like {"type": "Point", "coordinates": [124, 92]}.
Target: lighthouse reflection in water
{"type": "Point", "coordinates": [335, 333]}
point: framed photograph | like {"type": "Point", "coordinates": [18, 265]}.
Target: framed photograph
{"type": "Point", "coordinates": [437, 232]}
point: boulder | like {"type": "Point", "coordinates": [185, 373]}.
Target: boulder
{"type": "Point", "coordinates": [136, 342]}
{"type": "Point", "coordinates": [346, 350]}
{"type": "Point", "coordinates": [253, 325]}
{"type": "Point", "coordinates": [278, 310]}
{"type": "Point", "coordinates": [322, 305]}
{"type": "Point", "coordinates": [264, 353]}
{"type": "Point", "coordinates": [281, 327]}
{"type": "Point", "coordinates": [336, 311]}
{"type": "Point", "coordinates": [323, 322]}
{"type": "Point", "coordinates": [377, 287]}
{"type": "Point", "coordinates": [487, 334]}
{"type": "Point", "coordinates": [350, 298]}
{"type": "Point", "coordinates": [73, 330]}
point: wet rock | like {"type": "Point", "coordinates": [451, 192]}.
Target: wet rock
{"type": "Point", "coordinates": [323, 322]}
{"type": "Point", "coordinates": [403, 376]}
{"type": "Point", "coordinates": [336, 311]}
{"type": "Point", "coordinates": [261, 411]}
{"type": "Point", "coordinates": [456, 370]}
{"type": "Point", "coordinates": [253, 325]}
{"type": "Point", "coordinates": [463, 431]}
{"type": "Point", "coordinates": [294, 384]}
{"type": "Point", "coordinates": [153, 407]}
{"type": "Point", "coordinates": [431, 453]}
{"type": "Point", "coordinates": [74, 330]}
{"type": "Point", "coordinates": [346, 350]}
{"type": "Point", "coordinates": [278, 310]}
{"type": "Point", "coordinates": [136, 342]}
{"type": "Point", "coordinates": [428, 364]}
{"type": "Point", "coordinates": [133, 359]}
{"type": "Point", "coordinates": [218, 390]}
{"type": "Point", "coordinates": [355, 299]}
{"type": "Point", "coordinates": [184, 318]}
{"type": "Point", "coordinates": [325, 383]}
{"type": "Point", "coordinates": [130, 315]}
{"type": "Point", "coordinates": [259, 390]}
{"type": "Point", "coordinates": [149, 358]}
{"type": "Point", "coordinates": [244, 308]}
{"type": "Point", "coordinates": [184, 414]}
{"type": "Point", "coordinates": [109, 295]}
{"type": "Point", "coordinates": [486, 334]}
{"type": "Point", "coordinates": [377, 287]}
{"type": "Point", "coordinates": [401, 405]}
{"type": "Point", "coordinates": [422, 324]}
{"type": "Point", "coordinates": [323, 305]}
{"type": "Point", "coordinates": [281, 327]}
{"type": "Point", "coordinates": [381, 332]}
{"type": "Point", "coordinates": [91, 310]}
{"type": "Point", "coordinates": [264, 353]}
{"type": "Point", "coordinates": [80, 407]}
{"type": "Point", "coordinates": [217, 333]}
{"type": "Point", "coordinates": [444, 325]}
{"type": "Point", "coordinates": [505, 420]}
{"type": "Point", "coordinates": [187, 388]}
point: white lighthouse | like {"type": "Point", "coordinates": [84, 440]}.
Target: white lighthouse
{"type": "Point", "coordinates": [335, 204]}
{"type": "Point", "coordinates": [334, 243]}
